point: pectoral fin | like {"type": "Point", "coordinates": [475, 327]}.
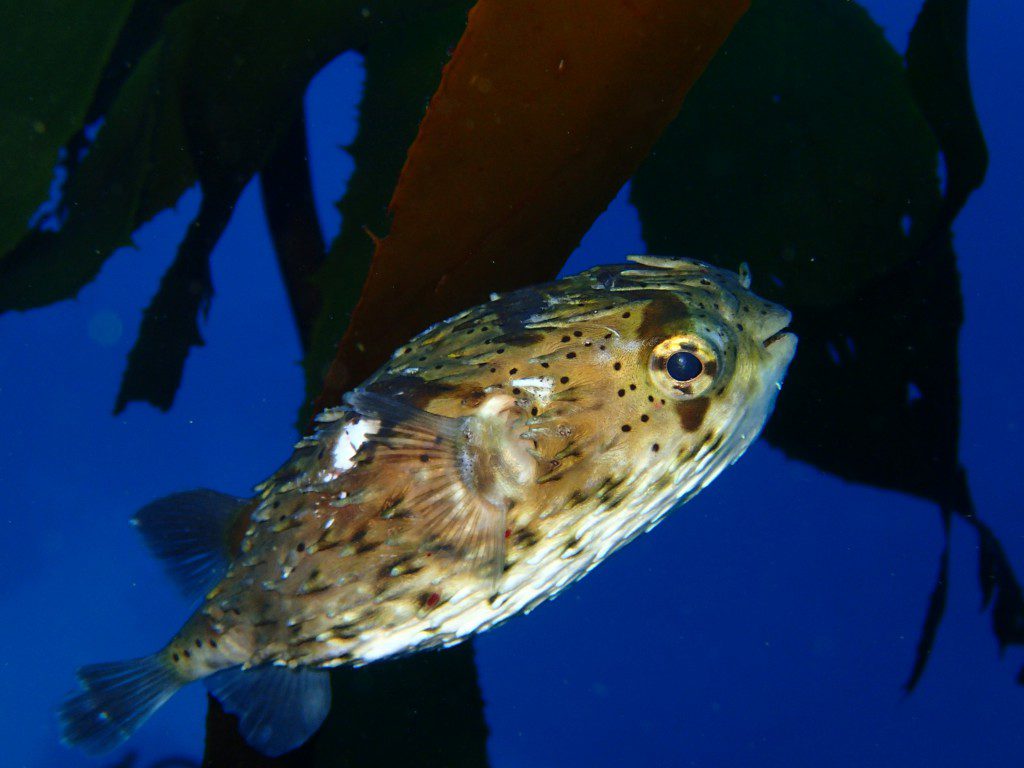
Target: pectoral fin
{"type": "Point", "coordinates": [467, 473]}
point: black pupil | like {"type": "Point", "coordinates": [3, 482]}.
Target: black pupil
{"type": "Point", "coordinates": [684, 366]}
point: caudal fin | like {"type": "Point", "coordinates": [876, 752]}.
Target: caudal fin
{"type": "Point", "coordinates": [117, 698]}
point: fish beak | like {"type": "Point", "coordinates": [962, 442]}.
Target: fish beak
{"type": "Point", "coordinates": [780, 344]}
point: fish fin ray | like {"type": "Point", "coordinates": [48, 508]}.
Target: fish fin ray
{"type": "Point", "coordinates": [188, 532]}
{"type": "Point", "coordinates": [116, 699]}
{"type": "Point", "coordinates": [452, 492]}
{"type": "Point", "coordinates": [278, 708]}
{"type": "Point", "coordinates": [412, 426]}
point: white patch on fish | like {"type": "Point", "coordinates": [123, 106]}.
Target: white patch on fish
{"type": "Point", "coordinates": [538, 386]}
{"type": "Point", "coordinates": [352, 437]}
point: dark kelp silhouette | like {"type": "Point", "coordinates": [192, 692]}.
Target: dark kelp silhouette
{"type": "Point", "coordinates": [809, 151]}
{"type": "Point", "coordinates": [807, 148]}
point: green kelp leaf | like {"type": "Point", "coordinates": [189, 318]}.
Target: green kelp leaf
{"type": "Point", "coordinates": [937, 73]}
{"type": "Point", "coordinates": [287, 190]}
{"type": "Point", "coordinates": [170, 324]}
{"type": "Point", "coordinates": [799, 149]}
{"type": "Point", "coordinates": [52, 54]}
{"type": "Point", "coordinates": [102, 198]}
{"type": "Point", "coordinates": [206, 102]}
{"type": "Point", "coordinates": [403, 68]}
{"type": "Point", "coordinates": [141, 30]}
{"type": "Point", "coordinates": [841, 165]}
{"type": "Point", "coordinates": [798, 153]}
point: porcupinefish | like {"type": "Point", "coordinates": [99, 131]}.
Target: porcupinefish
{"type": "Point", "coordinates": [495, 459]}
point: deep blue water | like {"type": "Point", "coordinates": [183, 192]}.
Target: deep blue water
{"type": "Point", "coordinates": [771, 621]}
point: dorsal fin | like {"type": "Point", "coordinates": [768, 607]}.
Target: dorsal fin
{"type": "Point", "coordinates": [468, 471]}
{"type": "Point", "coordinates": [189, 533]}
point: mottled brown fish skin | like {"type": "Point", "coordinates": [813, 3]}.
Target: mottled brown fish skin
{"type": "Point", "coordinates": [578, 439]}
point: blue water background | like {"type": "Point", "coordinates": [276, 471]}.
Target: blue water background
{"type": "Point", "coordinates": [771, 621]}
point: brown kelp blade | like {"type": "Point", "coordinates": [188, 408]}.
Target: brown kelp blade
{"type": "Point", "coordinates": [544, 111]}
{"type": "Point", "coordinates": [505, 176]}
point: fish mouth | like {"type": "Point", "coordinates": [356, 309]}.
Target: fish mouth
{"type": "Point", "coordinates": [777, 336]}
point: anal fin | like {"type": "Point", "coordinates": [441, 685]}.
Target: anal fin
{"type": "Point", "coordinates": [278, 708]}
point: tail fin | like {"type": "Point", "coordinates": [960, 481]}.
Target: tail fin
{"type": "Point", "coordinates": [117, 699]}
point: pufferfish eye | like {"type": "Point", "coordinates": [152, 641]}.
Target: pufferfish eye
{"type": "Point", "coordinates": [684, 366]}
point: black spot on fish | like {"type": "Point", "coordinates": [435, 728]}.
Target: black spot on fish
{"type": "Point", "coordinates": [525, 538]}
{"type": "Point", "coordinates": [564, 379]}
{"type": "Point", "coordinates": [524, 339]}
{"type": "Point", "coordinates": [626, 428]}
{"type": "Point", "coordinates": [617, 366]}
{"type": "Point", "coordinates": [392, 508]}
{"type": "Point", "coordinates": [655, 447]}
{"type": "Point", "coordinates": [365, 546]}
{"type": "Point", "coordinates": [577, 497]}
{"type": "Point", "coordinates": [645, 418]}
